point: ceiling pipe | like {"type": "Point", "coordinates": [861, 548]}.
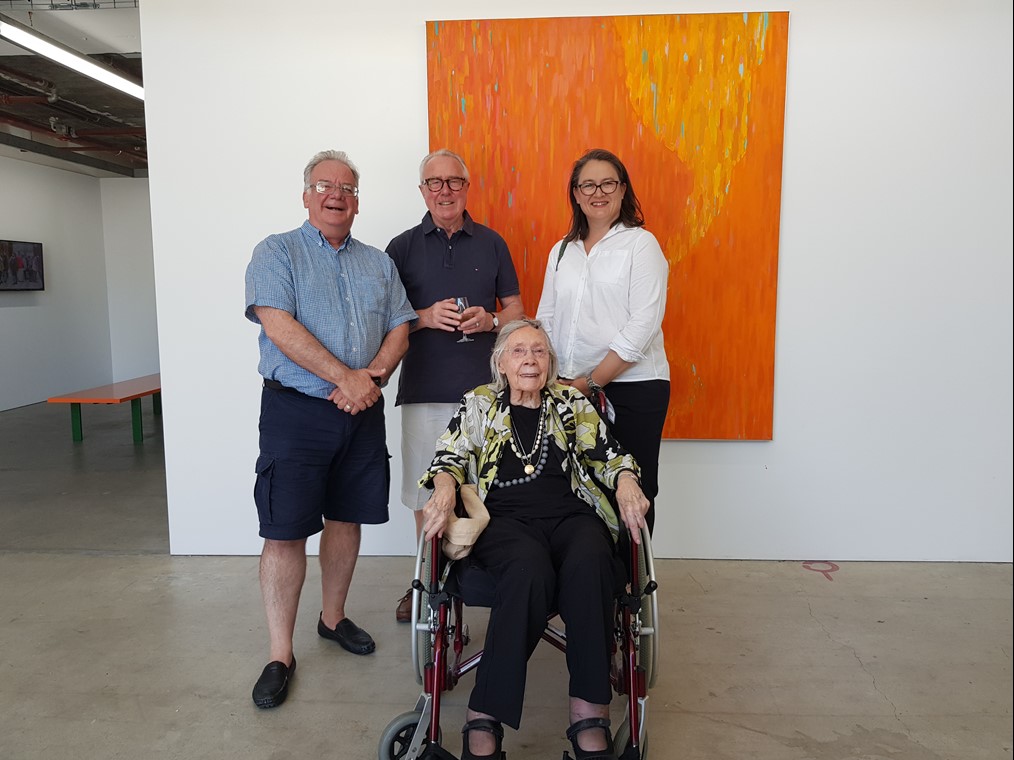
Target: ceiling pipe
{"type": "Point", "coordinates": [44, 86]}
{"type": "Point", "coordinates": [38, 129]}
{"type": "Point", "coordinates": [124, 131]}
{"type": "Point", "coordinates": [8, 100]}
{"type": "Point", "coordinates": [136, 153]}
{"type": "Point", "coordinates": [29, 81]}
{"type": "Point", "coordinates": [22, 124]}
{"type": "Point", "coordinates": [92, 162]}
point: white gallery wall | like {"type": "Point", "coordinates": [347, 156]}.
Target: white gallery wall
{"type": "Point", "coordinates": [893, 417]}
{"type": "Point", "coordinates": [95, 321]}
{"type": "Point", "coordinates": [55, 340]}
{"type": "Point", "coordinates": [130, 275]}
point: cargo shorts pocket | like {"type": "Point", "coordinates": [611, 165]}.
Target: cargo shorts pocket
{"type": "Point", "coordinates": [265, 469]}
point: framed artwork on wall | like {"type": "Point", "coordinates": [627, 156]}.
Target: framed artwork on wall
{"type": "Point", "coordinates": [21, 266]}
{"type": "Point", "coordinates": [693, 104]}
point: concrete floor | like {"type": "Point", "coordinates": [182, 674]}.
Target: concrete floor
{"type": "Point", "coordinates": [113, 649]}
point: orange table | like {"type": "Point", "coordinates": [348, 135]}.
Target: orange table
{"type": "Point", "coordinates": [115, 393]}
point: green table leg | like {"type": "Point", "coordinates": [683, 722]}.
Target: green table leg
{"type": "Point", "coordinates": [135, 416]}
{"type": "Point", "coordinates": [156, 404]}
{"type": "Point", "coordinates": [75, 422]}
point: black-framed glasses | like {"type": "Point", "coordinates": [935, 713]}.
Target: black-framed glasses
{"type": "Point", "coordinates": [326, 188]}
{"type": "Point", "coordinates": [436, 184]}
{"type": "Point", "coordinates": [608, 187]}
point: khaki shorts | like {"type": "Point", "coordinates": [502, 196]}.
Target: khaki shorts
{"type": "Point", "coordinates": [421, 426]}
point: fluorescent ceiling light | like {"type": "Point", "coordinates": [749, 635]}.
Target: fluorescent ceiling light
{"type": "Point", "coordinates": [27, 38]}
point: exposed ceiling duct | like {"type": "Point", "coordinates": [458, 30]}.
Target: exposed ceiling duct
{"type": "Point", "coordinates": [59, 116]}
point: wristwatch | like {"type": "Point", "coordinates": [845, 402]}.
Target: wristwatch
{"type": "Point", "coordinates": [496, 320]}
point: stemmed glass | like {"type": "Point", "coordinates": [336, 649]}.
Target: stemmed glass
{"type": "Point", "coordinates": [462, 304]}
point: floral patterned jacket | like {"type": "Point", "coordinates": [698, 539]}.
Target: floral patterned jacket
{"type": "Point", "coordinates": [470, 448]}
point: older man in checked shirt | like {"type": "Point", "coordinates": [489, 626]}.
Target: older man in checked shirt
{"type": "Point", "coordinates": [334, 323]}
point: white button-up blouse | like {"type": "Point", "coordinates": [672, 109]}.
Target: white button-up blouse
{"type": "Point", "coordinates": [612, 297]}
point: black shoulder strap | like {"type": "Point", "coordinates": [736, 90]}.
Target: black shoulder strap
{"type": "Point", "coordinates": [559, 255]}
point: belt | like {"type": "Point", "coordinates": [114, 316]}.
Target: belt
{"type": "Point", "coordinates": [277, 386]}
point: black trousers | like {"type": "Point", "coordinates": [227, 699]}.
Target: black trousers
{"type": "Point", "coordinates": [640, 414]}
{"type": "Point", "coordinates": [567, 564]}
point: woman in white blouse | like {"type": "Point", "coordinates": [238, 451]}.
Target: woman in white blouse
{"type": "Point", "coordinates": [602, 304]}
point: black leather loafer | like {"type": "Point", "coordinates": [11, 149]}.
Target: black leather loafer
{"type": "Point", "coordinates": [349, 635]}
{"type": "Point", "coordinates": [272, 687]}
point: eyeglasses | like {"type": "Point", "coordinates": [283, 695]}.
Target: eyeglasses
{"type": "Point", "coordinates": [520, 352]}
{"type": "Point", "coordinates": [436, 184]}
{"type": "Point", "coordinates": [326, 188]}
{"type": "Point", "coordinates": [608, 187]}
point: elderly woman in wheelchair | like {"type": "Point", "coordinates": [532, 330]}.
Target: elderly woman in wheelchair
{"type": "Point", "coordinates": [544, 463]}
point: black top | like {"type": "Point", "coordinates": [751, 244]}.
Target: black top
{"type": "Point", "coordinates": [546, 495]}
{"type": "Point", "coordinates": [474, 262]}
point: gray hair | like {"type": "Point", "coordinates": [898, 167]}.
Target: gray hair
{"type": "Point", "coordinates": [499, 379]}
{"type": "Point", "coordinates": [438, 154]}
{"type": "Point", "coordinates": [328, 155]}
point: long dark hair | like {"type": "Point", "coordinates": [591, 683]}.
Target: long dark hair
{"type": "Point", "coordinates": [630, 207]}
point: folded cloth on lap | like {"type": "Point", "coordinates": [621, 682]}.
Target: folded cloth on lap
{"type": "Point", "coordinates": [461, 533]}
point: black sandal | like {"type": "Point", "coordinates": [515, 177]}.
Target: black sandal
{"type": "Point", "coordinates": [489, 726]}
{"type": "Point", "coordinates": [590, 754]}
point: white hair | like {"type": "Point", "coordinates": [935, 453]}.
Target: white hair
{"type": "Point", "coordinates": [438, 154]}
{"type": "Point", "coordinates": [328, 155]}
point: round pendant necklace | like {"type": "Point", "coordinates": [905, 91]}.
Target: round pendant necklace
{"type": "Point", "coordinates": [519, 450]}
{"type": "Point", "coordinates": [533, 473]}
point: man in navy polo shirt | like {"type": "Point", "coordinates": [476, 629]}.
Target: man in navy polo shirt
{"type": "Point", "coordinates": [334, 323]}
{"type": "Point", "coordinates": [447, 256]}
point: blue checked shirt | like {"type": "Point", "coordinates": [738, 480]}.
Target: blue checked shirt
{"type": "Point", "coordinates": [349, 299]}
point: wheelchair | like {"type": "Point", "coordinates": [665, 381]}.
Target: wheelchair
{"type": "Point", "coordinates": [443, 588]}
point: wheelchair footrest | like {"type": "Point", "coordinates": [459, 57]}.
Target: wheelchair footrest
{"type": "Point", "coordinates": [593, 755]}
{"type": "Point", "coordinates": [436, 752]}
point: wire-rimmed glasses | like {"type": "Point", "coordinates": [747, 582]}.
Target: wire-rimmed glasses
{"type": "Point", "coordinates": [326, 188]}
{"type": "Point", "coordinates": [520, 353]}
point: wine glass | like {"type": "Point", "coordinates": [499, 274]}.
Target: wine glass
{"type": "Point", "coordinates": [462, 304]}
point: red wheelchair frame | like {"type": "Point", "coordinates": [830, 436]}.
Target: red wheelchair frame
{"type": "Point", "coordinates": [439, 638]}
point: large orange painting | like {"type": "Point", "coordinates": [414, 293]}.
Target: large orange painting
{"type": "Point", "coordinates": [694, 106]}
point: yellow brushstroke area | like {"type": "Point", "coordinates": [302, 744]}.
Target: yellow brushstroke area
{"type": "Point", "coordinates": [690, 81]}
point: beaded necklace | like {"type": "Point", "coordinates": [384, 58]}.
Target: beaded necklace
{"type": "Point", "coordinates": [532, 471]}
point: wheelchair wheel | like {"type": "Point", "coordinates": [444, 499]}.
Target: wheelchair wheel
{"type": "Point", "coordinates": [397, 737]}
{"type": "Point", "coordinates": [422, 639]}
{"type": "Point", "coordinates": [648, 644]}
